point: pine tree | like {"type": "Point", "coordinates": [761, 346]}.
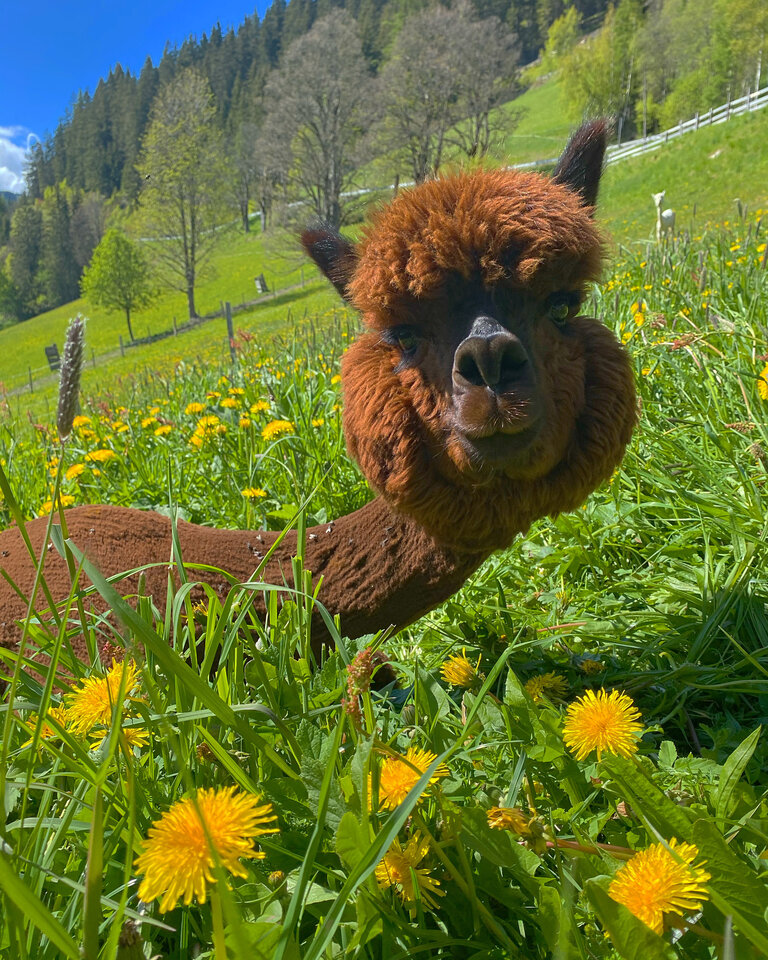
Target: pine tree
{"type": "Point", "coordinates": [25, 245]}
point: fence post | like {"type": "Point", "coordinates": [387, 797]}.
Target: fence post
{"type": "Point", "coordinates": [697, 120]}
{"type": "Point", "coordinates": [93, 357]}
{"type": "Point", "coordinates": [122, 347]}
{"type": "Point", "coordinates": [230, 331]}
{"type": "Point", "coordinates": [728, 106]}
{"type": "Point", "coordinates": [175, 327]}
{"type": "Point", "coordinates": [31, 388]}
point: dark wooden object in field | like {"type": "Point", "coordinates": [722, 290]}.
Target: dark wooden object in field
{"type": "Point", "coordinates": [52, 356]}
{"type": "Point", "coordinates": [477, 400]}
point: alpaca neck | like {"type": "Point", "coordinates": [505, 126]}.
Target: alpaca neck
{"type": "Point", "coordinates": [379, 568]}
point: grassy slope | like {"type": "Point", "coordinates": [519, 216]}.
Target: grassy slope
{"type": "Point", "coordinates": [692, 176]}
{"type": "Point", "coordinates": [230, 277]}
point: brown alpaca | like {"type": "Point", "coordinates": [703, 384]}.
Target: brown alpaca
{"type": "Point", "coordinates": [477, 401]}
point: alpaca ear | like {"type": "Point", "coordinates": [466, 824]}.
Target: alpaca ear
{"type": "Point", "coordinates": [581, 164]}
{"type": "Point", "coordinates": [334, 254]}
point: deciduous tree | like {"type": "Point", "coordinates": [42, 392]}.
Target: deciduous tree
{"type": "Point", "coordinates": [118, 277]}
{"type": "Point", "coordinates": [186, 179]}
{"type": "Point", "coordinates": [319, 103]}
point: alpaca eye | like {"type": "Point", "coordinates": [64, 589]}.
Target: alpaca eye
{"type": "Point", "coordinates": [407, 342]}
{"type": "Point", "coordinates": [559, 311]}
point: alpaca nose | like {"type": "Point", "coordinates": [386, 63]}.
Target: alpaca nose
{"type": "Point", "coordinates": [491, 356]}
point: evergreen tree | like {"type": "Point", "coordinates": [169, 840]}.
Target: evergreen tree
{"type": "Point", "coordinates": [25, 244]}
{"type": "Point", "coordinates": [59, 272]}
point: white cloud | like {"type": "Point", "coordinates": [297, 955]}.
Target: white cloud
{"type": "Point", "coordinates": [14, 143]}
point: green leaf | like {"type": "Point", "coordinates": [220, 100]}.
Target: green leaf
{"type": "Point", "coordinates": [734, 888]}
{"type": "Point", "coordinates": [647, 799]}
{"type": "Point", "coordinates": [733, 768]}
{"type": "Point", "coordinates": [352, 840]}
{"type": "Point", "coordinates": [630, 936]}
{"type": "Point", "coordinates": [35, 911]}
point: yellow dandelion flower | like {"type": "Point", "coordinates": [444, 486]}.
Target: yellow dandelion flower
{"type": "Point", "coordinates": [259, 407]}
{"type": "Point", "coordinates": [47, 730]}
{"type": "Point", "coordinates": [236, 391]}
{"type": "Point", "coordinates": [163, 430]}
{"type": "Point", "coordinates": [659, 881]}
{"type": "Point", "coordinates": [75, 471]}
{"type": "Point", "coordinates": [762, 383]}
{"type": "Point", "coordinates": [399, 774]}
{"type": "Point", "coordinates": [213, 395]}
{"type": "Point", "coordinates": [276, 428]}
{"type": "Point", "coordinates": [86, 434]}
{"type": "Point", "coordinates": [80, 421]}
{"type": "Point", "coordinates": [508, 818]}
{"type": "Point", "coordinates": [459, 671]}
{"type": "Point", "coordinates": [400, 868]}
{"type": "Point", "coordinates": [253, 493]}
{"type": "Point", "coordinates": [605, 722]}
{"type": "Point", "coordinates": [318, 421]}
{"type": "Point", "coordinates": [335, 379]}
{"type": "Point", "coordinates": [244, 423]}
{"type": "Point", "coordinates": [99, 456]}
{"type": "Point", "coordinates": [231, 403]}
{"type": "Point", "coordinates": [176, 858]}
{"type": "Point", "coordinates": [94, 700]}
{"type": "Point", "coordinates": [148, 421]}
{"type": "Point", "coordinates": [551, 685]}
{"type": "Point", "coordinates": [47, 505]}
{"type": "Point", "coordinates": [194, 408]}
{"type": "Point", "coordinates": [136, 736]}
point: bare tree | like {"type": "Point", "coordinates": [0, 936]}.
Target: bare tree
{"type": "Point", "coordinates": [318, 101]}
{"type": "Point", "coordinates": [446, 68]}
{"type": "Point", "coordinates": [420, 91]}
{"type": "Point", "coordinates": [486, 56]}
{"type": "Point", "coordinates": [243, 158]}
{"type": "Point", "coordinates": [186, 180]}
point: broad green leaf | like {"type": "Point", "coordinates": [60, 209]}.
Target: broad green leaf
{"type": "Point", "coordinates": [669, 819]}
{"type": "Point", "coordinates": [734, 888]}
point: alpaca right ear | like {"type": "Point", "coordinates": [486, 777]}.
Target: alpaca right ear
{"type": "Point", "coordinates": [334, 254]}
{"type": "Point", "coordinates": [581, 164]}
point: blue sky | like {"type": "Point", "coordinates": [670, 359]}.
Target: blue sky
{"type": "Point", "coordinates": [50, 49]}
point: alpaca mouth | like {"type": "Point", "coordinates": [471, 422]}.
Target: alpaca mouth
{"type": "Point", "coordinates": [504, 447]}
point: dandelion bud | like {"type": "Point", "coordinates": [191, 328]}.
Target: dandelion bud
{"type": "Point", "coordinates": [130, 945]}
{"type": "Point", "coordinates": [71, 368]}
{"type": "Point", "coordinates": [276, 879]}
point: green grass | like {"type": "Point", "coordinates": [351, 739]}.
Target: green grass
{"type": "Point", "coordinates": [703, 171]}
{"type": "Point", "coordinates": [656, 587]}
{"type": "Point", "coordinates": [230, 277]}
{"type": "Point", "coordinates": [543, 130]}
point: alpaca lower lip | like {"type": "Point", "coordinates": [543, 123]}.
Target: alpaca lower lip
{"type": "Point", "coordinates": [502, 447]}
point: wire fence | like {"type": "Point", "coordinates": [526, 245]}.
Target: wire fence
{"type": "Point", "coordinates": [268, 285]}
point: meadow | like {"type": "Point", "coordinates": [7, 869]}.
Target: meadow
{"type": "Point", "coordinates": [470, 811]}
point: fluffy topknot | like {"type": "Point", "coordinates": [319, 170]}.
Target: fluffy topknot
{"type": "Point", "coordinates": [501, 227]}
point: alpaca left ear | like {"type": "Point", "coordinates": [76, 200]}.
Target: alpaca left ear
{"type": "Point", "coordinates": [581, 164]}
{"type": "Point", "coordinates": [333, 253]}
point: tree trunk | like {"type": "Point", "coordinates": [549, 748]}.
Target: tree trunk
{"type": "Point", "coordinates": [128, 321]}
{"type": "Point", "coordinates": [191, 300]}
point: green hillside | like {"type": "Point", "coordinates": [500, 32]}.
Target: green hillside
{"type": "Point", "coordinates": [704, 171]}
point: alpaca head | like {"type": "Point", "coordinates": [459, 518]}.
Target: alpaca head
{"type": "Point", "coordinates": [479, 398]}
{"type": "Point", "coordinates": [658, 198]}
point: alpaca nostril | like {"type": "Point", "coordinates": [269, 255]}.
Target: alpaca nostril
{"type": "Point", "coordinates": [489, 361]}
